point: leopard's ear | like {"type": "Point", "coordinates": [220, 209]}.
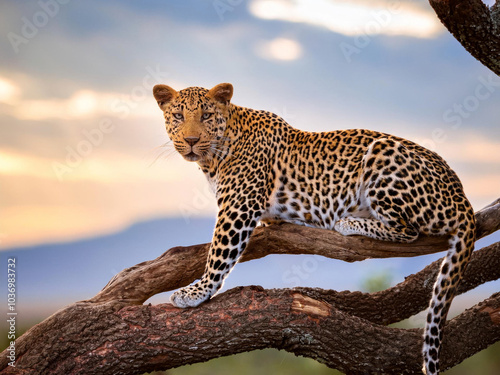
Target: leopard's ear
{"type": "Point", "coordinates": [163, 95]}
{"type": "Point", "coordinates": [223, 93]}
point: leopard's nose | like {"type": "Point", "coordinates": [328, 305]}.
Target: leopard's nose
{"type": "Point", "coordinates": [191, 140]}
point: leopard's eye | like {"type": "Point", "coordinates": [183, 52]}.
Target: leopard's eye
{"type": "Point", "coordinates": [206, 115]}
{"type": "Point", "coordinates": [178, 116]}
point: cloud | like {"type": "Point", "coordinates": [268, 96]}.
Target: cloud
{"type": "Point", "coordinates": [9, 92]}
{"type": "Point", "coordinates": [353, 17]}
{"type": "Point", "coordinates": [81, 104]}
{"type": "Point", "coordinates": [279, 49]}
{"type": "Point", "coordinates": [474, 149]}
{"type": "Point", "coordinates": [100, 166]}
{"type": "Point", "coordinates": [481, 189]}
{"type": "Point", "coordinates": [14, 163]}
{"type": "Point", "coordinates": [104, 193]}
{"type": "Point", "coordinates": [103, 196]}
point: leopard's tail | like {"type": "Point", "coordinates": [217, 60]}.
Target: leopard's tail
{"type": "Point", "coordinates": [452, 269]}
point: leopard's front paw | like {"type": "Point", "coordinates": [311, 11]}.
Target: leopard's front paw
{"type": "Point", "coordinates": [189, 296]}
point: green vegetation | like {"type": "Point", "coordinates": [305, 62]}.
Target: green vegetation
{"type": "Point", "coordinates": [271, 361]}
{"type": "Point", "coordinates": [377, 282]}
{"type": "Point", "coordinates": [268, 361]}
{"type": "Point", "coordinates": [20, 330]}
{"type": "Point", "coordinates": [486, 362]}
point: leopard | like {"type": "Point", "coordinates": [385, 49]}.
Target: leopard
{"type": "Point", "coordinates": [355, 181]}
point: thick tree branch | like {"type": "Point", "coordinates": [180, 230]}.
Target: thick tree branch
{"type": "Point", "coordinates": [411, 296]}
{"type": "Point", "coordinates": [183, 265]}
{"type": "Point", "coordinates": [107, 339]}
{"type": "Point", "coordinates": [105, 335]}
{"type": "Point", "coordinates": [475, 26]}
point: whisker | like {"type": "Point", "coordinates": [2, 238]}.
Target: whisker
{"type": "Point", "coordinates": [219, 154]}
{"type": "Point", "coordinates": [166, 144]}
{"type": "Point", "coordinates": [215, 151]}
{"type": "Point", "coordinates": [220, 151]}
{"type": "Point", "coordinates": [162, 156]}
{"type": "Point", "coordinates": [167, 150]}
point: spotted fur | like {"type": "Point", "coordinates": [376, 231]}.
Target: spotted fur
{"type": "Point", "coordinates": [358, 182]}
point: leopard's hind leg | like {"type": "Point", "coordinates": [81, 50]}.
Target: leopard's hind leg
{"type": "Point", "coordinates": [403, 197]}
{"type": "Point", "coordinates": [383, 189]}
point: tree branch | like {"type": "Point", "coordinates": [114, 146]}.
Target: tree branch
{"type": "Point", "coordinates": [475, 26]}
{"type": "Point", "coordinates": [114, 339]}
{"type": "Point", "coordinates": [183, 265]}
{"type": "Point", "coordinates": [106, 335]}
{"type": "Point", "coordinates": [411, 296]}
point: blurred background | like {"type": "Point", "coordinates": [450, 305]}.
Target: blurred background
{"type": "Point", "coordinates": [88, 185]}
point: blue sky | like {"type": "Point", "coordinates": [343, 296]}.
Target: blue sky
{"type": "Point", "coordinates": [80, 138]}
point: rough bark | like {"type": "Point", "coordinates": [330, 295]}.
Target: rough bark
{"type": "Point", "coordinates": [411, 296]}
{"type": "Point", "coordinates": [475, 26]}
{"type": "Point", "coordinates": [113, 333]}
{"type": "Point", "coordinates": [117, 339]}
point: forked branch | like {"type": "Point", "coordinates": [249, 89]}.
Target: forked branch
{"type": "Point", "coordinates": [113, 333]}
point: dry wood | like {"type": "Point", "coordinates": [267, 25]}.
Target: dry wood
{"type": "Point", "coordinates": [108, 335]}
{"type": "Point", "coordinates": [116, 339]}
{"type": "Point", "coordinates": [183, 265]}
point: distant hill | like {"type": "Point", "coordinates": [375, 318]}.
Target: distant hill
{"type": "Point", "coordinates": [51, 276]}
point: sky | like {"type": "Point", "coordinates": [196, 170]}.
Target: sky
{"type": "Point", "coordinates": [82, 142]}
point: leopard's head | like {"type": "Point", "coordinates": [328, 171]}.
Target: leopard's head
{"type": "Point", "coordinates": [195, 118]}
